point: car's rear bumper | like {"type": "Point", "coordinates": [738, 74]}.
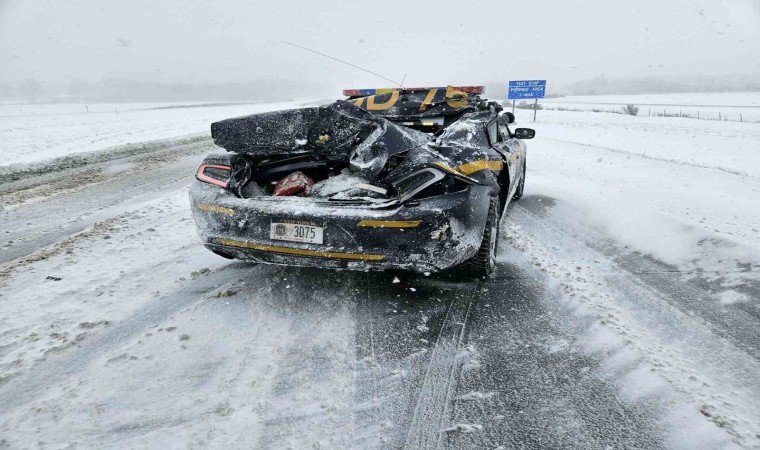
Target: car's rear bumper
{"type": "Point", "coordinates": [434, 234]}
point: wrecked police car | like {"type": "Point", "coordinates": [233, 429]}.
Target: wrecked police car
{"type": "Point", "coordinates": [413, 178]}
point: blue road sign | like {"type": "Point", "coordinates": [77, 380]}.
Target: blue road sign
{"type": "Point", "coordinates": [526, 89]}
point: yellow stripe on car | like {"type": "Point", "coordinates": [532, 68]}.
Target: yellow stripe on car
{"type": "Point", "coordinates": [390, 223]}
{"type": "Point", "coordinates": [302, 252]}
{"type": "Point", "coordinates": [446, 168]}
{"type": "Point", "coordinates": [476, 166]}
{"type": "Point", "coordinates": [216, 209]}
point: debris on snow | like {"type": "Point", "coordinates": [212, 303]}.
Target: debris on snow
{"type": "Point", "coordinates": [197, 273]}
{"type": "Point", "coordinates": [474, 395]}
{"type": "Point", "coordinates": [90, 325]}
{"type": "Point", "coordinates": [463, 428]}
{"type": "Point", "coordinates": [225, 293]}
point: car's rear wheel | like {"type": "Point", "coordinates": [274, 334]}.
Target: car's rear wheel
{"type": "Point", "coordinates": [520, 186]}
{"type": "Point", "coordinates": [484, 261]}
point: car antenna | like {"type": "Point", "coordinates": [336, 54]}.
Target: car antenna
{"type": "Point", "coordinates": [346, 62]}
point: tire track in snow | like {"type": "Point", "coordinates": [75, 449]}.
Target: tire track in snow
{"type": "Point", "coordinates": [433, 401]}
{"type": "Point", "coordinates": [532, 386]}
{"type": "Point", "coordinates": [716, 375]}
{"type": "Point", "coordinates": [59, 204]}
{"type": "Point", "coordinates": [311, 400]}
{"type": "Point", "coordinates": [398, 319]}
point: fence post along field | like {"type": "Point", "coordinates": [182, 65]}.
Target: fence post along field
{"type": "Point", "coordinates": [693, 106]}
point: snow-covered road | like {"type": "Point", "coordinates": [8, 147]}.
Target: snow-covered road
{"type": "Point", "coordinates": [624, 313]}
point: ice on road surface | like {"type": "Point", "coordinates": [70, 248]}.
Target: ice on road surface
{"type": "Point", "coordinates": [623, 312]}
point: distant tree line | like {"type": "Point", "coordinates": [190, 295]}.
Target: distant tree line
{"type": "Point", "coordinates": [645, 85]}
{"type": "Point", "coordinates": [660, 85]}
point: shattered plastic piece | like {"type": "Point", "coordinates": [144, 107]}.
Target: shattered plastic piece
{"type": "Point", "coordinates": [371, 187]}
{"type": "Point", "coordinates": [297, 183]}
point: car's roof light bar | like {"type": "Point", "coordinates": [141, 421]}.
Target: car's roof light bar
{"type": "Point", "coordinates": [363, 92]}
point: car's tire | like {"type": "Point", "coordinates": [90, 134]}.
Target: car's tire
{"type": "Point", "coordinates": [482, 264]}
{"type": "Point", "coordinates": [521, 186]}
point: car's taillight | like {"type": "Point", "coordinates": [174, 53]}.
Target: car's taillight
{"type": "Point", "coordinates": [214, 174]}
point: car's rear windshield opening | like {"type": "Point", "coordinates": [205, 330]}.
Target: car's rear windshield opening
{"type": "Point", "coordinates": [429, 125]}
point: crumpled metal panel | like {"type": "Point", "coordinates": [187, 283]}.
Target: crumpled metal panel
{"type": "Point", "coordinates": [337, 129]}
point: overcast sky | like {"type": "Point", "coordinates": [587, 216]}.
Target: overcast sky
{"type": "Point", "coordinates": [433, 42]}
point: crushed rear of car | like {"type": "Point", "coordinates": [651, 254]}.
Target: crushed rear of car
{"type": "Point", "coordinates": [405, 179]}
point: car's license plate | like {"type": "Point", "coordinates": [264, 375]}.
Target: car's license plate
{"type": "Point", "coordinates": [296, 232]}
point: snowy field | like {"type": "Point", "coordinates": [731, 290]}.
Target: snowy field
{"type": "Point", "coordinates": [731, 106]}
{"type": "Point", "coordinates": [624, 313]}
{"type": "Point", "coordinates": [32, 133]}
{"type": "Point", "coordinates": [664, 186]}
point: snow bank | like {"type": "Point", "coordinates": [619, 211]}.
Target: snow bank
{"type": "Point", "coordinates": [729, 146]}
{"type": "Point", "coordinates": [692, 217]}
{"type": "Point", "coordinates": [32, 133]}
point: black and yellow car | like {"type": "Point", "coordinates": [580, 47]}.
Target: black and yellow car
{"type": "Point", "coordinates": [413, 178]}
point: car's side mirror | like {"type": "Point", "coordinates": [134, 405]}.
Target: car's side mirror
{"type": "Point", "coordinates": [524, 133]}
{"type": "Point", "coordinates": [510, 117]}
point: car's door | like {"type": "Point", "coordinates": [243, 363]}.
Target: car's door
{"type": "Point", "coordinates": [508, 147]}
